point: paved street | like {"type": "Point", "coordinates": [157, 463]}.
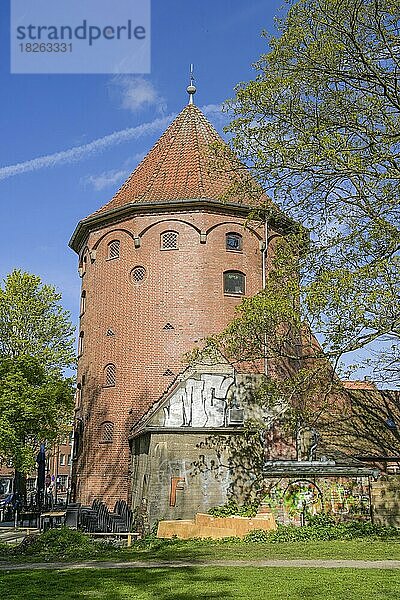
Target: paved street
{"type": "Point", "coordinates": [11, 535]}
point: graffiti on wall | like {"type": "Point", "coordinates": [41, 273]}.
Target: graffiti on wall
{"type": "Point", "coordinates": [177, 483]}
{"type": "Point", "coordinates": [342, 499]}
{"type": "Point", "coordinates": [199, 402]}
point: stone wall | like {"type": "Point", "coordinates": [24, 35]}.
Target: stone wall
{"type": "Point", "coordinates": [385, 495]}
{"type": "Point", "coordinates": [166, 475]}
{"type": "Point", "coordinates": [293, 500]}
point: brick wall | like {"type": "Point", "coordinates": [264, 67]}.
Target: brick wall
{"type": "Point", "coordinates": [385, 497]}
{"type": "Point", "coordinates": [183, 288]}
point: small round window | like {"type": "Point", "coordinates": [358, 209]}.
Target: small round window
{"type": "Point", "coordinates": [138, 274]}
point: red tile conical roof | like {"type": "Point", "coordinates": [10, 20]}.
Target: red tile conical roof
{"type": "Point", "coordinates": [179, 167]}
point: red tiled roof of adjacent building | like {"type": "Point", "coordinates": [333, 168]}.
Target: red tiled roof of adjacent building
{"type": "Point", "coordinates": [358, 385]}
{"type": "Point", "coordinates": [179, 167]}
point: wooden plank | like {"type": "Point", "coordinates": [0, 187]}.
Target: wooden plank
{"type": "Point", "coordinates": [114, 533]}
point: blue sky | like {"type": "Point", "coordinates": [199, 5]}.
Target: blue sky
{"type": "Point", "coordinates": [69, 141]}
{"type": "Point", "coordinates": [42, 199]}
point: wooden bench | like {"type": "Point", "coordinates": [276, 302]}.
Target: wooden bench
{"type": "Point", "coordinates": [52, 519]}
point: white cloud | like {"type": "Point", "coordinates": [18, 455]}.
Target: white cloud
{"type": "Point", "coordinates": [113, 177]}
{"type": "Point", "coordinates": [212, 109]}
{"type": "Point", "coordinates": [137, 93]}
{"type": "Point", "coordinates": [106, 179]}
{"type": "Point", "coordinates": [215, 113]}
{"type": "Point", "coordinates": [78, 153]}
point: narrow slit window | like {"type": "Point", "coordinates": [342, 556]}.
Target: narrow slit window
{"type": "Point", "coordinates": [234, 283]}
{"type": "Point", "coordinates": [110, 373]}
{"type": "Point", "coordinates": [169, 240]}
{"type": "Point", "coordinates": [80, 343]}
{"type": "Point", "coordinates": [113, 249]}
{"type": "Point", "coordinates": [83, 265]}
{"type": "Point", "coordinates": [83, 302]}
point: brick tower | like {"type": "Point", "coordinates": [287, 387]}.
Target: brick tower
{"type": "Point", "coordinates": [163, 265]}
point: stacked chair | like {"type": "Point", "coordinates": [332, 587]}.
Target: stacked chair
{"type": "Point", "coordinates": [98, 519]}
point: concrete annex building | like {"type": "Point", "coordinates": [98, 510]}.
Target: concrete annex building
{"type": "Point", "coordinates": [163, 265]}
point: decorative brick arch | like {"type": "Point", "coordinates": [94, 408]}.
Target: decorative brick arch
{"type": "Point", "coordinates": [237, 224]}
{"type": "Point", "coordinates": [112, 232]}
{"type": "Point", "coordinates": [85, 252]}
{"type": "Point", "coordinates": [146, 229]}
{"type": "Point", "coordinates": [274, 236]}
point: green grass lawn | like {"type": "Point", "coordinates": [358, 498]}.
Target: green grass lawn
{"type": "Point", "coordinates": [208, 550]}
{"type": "Point", "coordinates": [197, 550]}
{"type": "Point", "coordinates": [203, 583]}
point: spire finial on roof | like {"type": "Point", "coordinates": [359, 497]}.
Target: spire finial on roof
{"type": "Point", "coordinates": [191, 88]}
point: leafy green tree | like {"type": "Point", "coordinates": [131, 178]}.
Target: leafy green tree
{"type": "Point", "coordinates": [319, 127]}
{"type": "Point", "coordinates": [34, 406]}
{"type": "Point", "coordinates": [36, 345]}
{"type": "Point", "coordinates": [319, 130]}
{"type": "Point", "coordinates": [33, 322]}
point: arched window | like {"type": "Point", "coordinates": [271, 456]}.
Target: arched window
{"type": "Point", "coordinates": [169, 240]}
{"type": "Point", "coordinates": [113, 249]}
{"type": "Point", "coordinates": [234, 283]}
{"type": "Point", "coordinates": [83, 302]}
{"type": "Point", "coordinates": [110, 375]}
{"type": "Point", "coordinates": [106, 432]}
{"type": "Point", "coordinates": [233, 241]}
{"type": "Point", "coordinates": [80, 343]}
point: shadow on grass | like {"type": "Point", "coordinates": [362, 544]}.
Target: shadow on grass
{"type": "Point", "coordinates": [198, 551]}
{"type": "Point", "coordinates": [149, 550]}
{"type": "Point", "coordinates": [140, 584]}
{"type": "Point", "coordinates": [203, 583]}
